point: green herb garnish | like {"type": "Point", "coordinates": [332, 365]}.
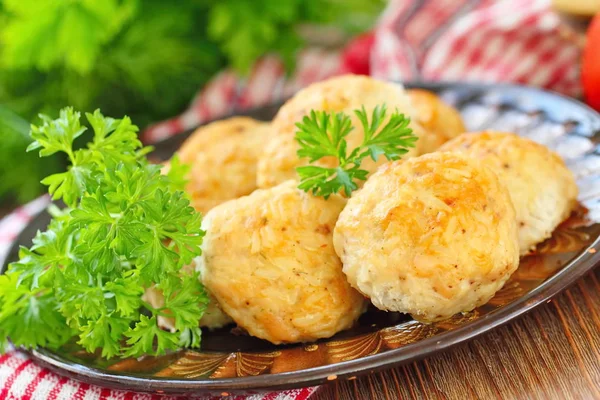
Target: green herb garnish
{"type": "Point", "coordinates": [127, 227]}
{"type": "Point", "coordinates": [322, 134]}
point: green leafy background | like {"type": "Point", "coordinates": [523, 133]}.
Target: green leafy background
{"type": "Point", "coordinates": [143, 58]}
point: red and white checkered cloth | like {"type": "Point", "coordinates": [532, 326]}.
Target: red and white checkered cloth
{"type": "Point", "coordinates": [518, 41]}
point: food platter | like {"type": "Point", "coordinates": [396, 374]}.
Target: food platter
{"type": "Point", "coordinates": [230, 362]}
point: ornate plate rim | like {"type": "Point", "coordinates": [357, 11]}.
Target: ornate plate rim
{"type": "Point", "coordinates": [585, 261]}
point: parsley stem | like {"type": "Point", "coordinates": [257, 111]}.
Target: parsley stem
{"type": "Point", "coordinates": [71, 155]}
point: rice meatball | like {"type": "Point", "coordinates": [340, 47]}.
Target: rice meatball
{"type": "Point", "coordinates": [340, 94]}
{"type": "Point", "coordinates": [542, 188]}
{"type": "Point", "coordinates": [440, 121]}
{"type": "Point", "coordinates": [268, 259]}
{"type": "Point", "coordinates": [431, 236]}
{"type": "Point", "coordinates": [223, 156]}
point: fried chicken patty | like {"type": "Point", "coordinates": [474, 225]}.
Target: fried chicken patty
{"type": "Point", "coordinates": [223, 156]}
{"type": "Point", "coordinates": [431, 236]}
{"type": "Point", "coordinates": [542, 188]}
{"type": "Point", "coordinates": [268, 259]}
{"type": "Point", "coordinates": [440, 121]}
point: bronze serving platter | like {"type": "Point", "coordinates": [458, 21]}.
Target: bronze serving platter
{"type": "Point", "coordinates": [230, 362]}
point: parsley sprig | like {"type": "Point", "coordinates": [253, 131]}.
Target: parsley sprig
{"type": "Point", "coordinates": [127, 227]}
{"type": "Point", "coordinates": [322, 134]}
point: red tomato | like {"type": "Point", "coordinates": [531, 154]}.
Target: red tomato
{"type": "Point", "coordinates": [356, 54]}
{"type": "Point", "coordinates": [590, 68]}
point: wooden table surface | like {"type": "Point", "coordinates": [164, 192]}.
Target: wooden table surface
{"type": "Point", "coordinates": [553, 352]}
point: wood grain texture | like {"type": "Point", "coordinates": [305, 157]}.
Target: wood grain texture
{"type": "Point", "coordinates": [553, 352]}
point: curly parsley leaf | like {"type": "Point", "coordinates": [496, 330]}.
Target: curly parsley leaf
{"type": "Point", "coordinates": [178, 173]}
{"type": "Point", "coordinates": [178, 293]}
{"type": "Point", "coordinates": [322, 134]}
{"type": "Point", "coordinates": [104, 333]}
{"type": "Point", "coordinates": [127, 228]}
{"type": "Point", "coordinates": [58, 134]}
{"type": "Point", "coordinates": [147, 338]}
{"type": "Point", "coordinates": [115, 141]}
{"type": "Point", "coordinates": [30, 317]}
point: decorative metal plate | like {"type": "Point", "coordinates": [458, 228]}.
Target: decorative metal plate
{"type": "Point", "coordinates": [229, 362]}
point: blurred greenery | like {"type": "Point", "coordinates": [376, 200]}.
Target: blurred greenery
{"type": "Point", "coordinates": [17, 168]}
{"type": "Point", "coordinates": [142, 58]}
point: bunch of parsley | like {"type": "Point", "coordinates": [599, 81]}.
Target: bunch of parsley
{"type": "Point", "coordinates": [126, 227]}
